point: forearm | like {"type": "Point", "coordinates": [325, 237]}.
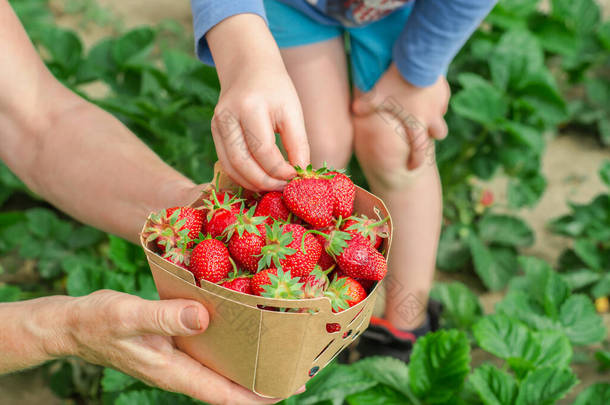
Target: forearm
{"type": "Point", "coordinates": [33, 332]}
{"type": "Point", "coordinates": [89, 165]}
{"type": "Point", "coordinates": [72, 153]}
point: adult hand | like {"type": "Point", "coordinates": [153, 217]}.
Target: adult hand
{"type": "Point", "coordinates": [419, 110]}
{"type": "Point", "coordinates": [257, 99]}
{"type": "Point", "coordinates": [133, 335]}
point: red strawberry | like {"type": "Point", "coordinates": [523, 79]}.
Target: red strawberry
{"type": "Point", "coordinates": [221, 212]}
{"type": "Point", "coordinates": [344, 192]}
{"type": "Point", "coordinates": [355, 255]}
{"type": "Point", "coordinates": [239, 284]}
{"type": "Point", "coordinates": [246, 239]}
{"type": "Point", "coordinates": [169, 227]}
{"type": "Point", "coordinates": [210, 261]}
{"type": "Point", "coordinates": [315, 283]}
{"type": "Point", "coordinates": [289, 247]}
{"type": "Point", "coordinates": [344, 292]}
{"type": "Point", "coordinates": [373, 230]}
{"type": "Point", "coordinates": [276, 283]}
{"type": "Point", "coordinates": [333, 327]}
{"type": "Point", "coordinates": [309, 196]}
{"type": "Point", "coordinates": [272, 206]}
{"type": "Point", "coordinates": [179, 255]}
{"type": "Point", "coordinates": [487, 198]}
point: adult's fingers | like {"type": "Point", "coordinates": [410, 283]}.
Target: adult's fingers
{"type": "Point", "coordinates": [290, 125]}
{"type": "Point", "coordinates": [233, 151]}
{"type": "Point", "coordinates": [187, 376]}
{"type": "Point", "coordinates": [177, 317]}
{"type": "Point", "coordinates": [260, 137]}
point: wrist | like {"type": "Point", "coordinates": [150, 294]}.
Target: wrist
{"type": "Point", "coordinates": [251, 46]}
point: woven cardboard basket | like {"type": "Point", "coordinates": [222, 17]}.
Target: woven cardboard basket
{"type": "Point", "coordinates": [271, 353]}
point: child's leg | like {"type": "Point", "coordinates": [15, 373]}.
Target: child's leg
{"type": "Point", "coordinates": [319, 73]}
{"type": "Point", "coordinates": [414, 201]}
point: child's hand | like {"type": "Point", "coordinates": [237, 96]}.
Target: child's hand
{"type": "Point", "coordinates": [420, 110]}
{"type": "Point", "coordinates": [257, 99]}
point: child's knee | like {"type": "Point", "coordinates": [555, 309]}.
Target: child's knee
{"type": "Point", "coordinates": [383, 151]}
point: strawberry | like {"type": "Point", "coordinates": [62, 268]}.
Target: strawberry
{"type": "Point", "coordinates": [373, 230]}
{"type": "Point", "coordinates": [167, 229]}
{"type": "Point", "coordinates": [290, 248]}
{"type": "Point", "coordinates": [309, 196]}
{"type": "Point", "coordinates": [246, 238]}
{"type": "Point", "coordinates": [276, 283]}
{"type": "Point", "coordinates": [239, 284]}
{"type": "Point", "coordinates": [344, 193]}
{"type": "Point", "coordinates": [344, 292]}
{"type": "Point", "coordinates": [193, 218]}
{"type": "Point", "coordinates": [210, 261]}
{"type": "Point", "coordinates": [333, 327]}
{"type": "Point", "coordinates": [487, 198]}
{"type": "Point", "coordinates": [272, 205]}
{"type": "Point", "coordinates": [222, 209]}
{"type": "Point", "coordinates": [355, 255]}
{"type": "Point", "coordinates": [315, 283]}
{"type": "Point", "coordinates": [179, 255]}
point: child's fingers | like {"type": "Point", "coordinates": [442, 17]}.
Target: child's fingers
{"type": "Point", "coordinates": [236, 160]}
{"type": "Point", "coordinates": [291, 127]}
{"type": "Point", "coordinates": [260, 138]}
{"type": "Point", "coordinates": [438, 129]}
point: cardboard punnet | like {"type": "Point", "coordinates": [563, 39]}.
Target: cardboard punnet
{"type": "Point", "coordinates": [271, 353]}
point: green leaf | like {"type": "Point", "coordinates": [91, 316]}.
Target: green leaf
{"type": "Point", "coordinates": [586, 250]}
{"type": "Point", "coordinates": [453, 252]}
{"type": "Point", "coordinates": [603, 34]}
{"type": "Point", "coordinates": [525, 192]}
{"type": "Point", "coordinates": [505, 230]}
{"type": "Point", "coordinates": [115, 381]}
{"type": "Point", "coordinates": [505, 337]}
{"type": "Point", "coordinates": [518, 305]}
{"type": "Point", "coordinates": [544, 285]}
{"type": "Point", "coordinates": [554, 36]}
{"type": "Point", "coordinates": [461, 307]}
{"type": "Point", "coordinates": [603, 357]}
{"type": "Point", "coordinates": [41, 222]}
{"type": "Point", "coordinates": [63, 45]}
{"type": "Point", "coordinates": [439, 365]}
{"type": "Point", "coordinates": [515, 58]}
{"type": "Point", "coordinates": [334, 383]}
{"type": "Point", "coordinates": [99, 63]}
{"type": "Point", "coordinates": [387, 371]}
{"type": "Point", "coordinates": [580, 321]}
{"type": "Point", "coordinates": [9, 293]}
{"type": "Point", "coordinates": [153, 397]}
{"type": "Point", "coordinates": [126, 256]}
{"type": "Point", "coordinates": [579, 15]}
{"type": "Point", "coordinates": [482, 103]}
{"type": "Point", "coordinates": [602, 288]}
{"type": "Point", "coordinates": [495, 387]}
{"type": "Point", "coordinates": [377, 395]}
{"type": "Point", "coordinates": [545, 386]}
{"type": "Point", "coordinates": [525, 135]}
{"type": "Point", "coordinates": [493, 274]}
{"type": "Point", "coordinates": [604, 172]}
{"type": "Point", "coordinates": [581, 278]}
{"type": "Point", "coordinates": [596, 394]}
{"type": "Point", "coordinates": [133, 46]}
{"type": "Point", "coordinates": [555, 349]}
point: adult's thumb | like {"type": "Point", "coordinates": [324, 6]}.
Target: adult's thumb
{"type": "Point", "coordinates": [176, 317]}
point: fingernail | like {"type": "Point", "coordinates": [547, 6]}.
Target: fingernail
{"type": "Point", "coordinates": [190, 318]}
{"type": "Point", "coordinates": [301, 390]}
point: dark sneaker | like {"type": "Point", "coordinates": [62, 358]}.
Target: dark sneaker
{"type": "Point", "coordinates": [383, 339]}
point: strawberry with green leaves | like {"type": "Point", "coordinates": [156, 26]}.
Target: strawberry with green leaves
{"type": "Point", "coordinates": [168, 227]}
{"type": "Point", "coordinates": [374, 231]}
{"type": "Point", "coordinates": [246, 238]}
{"type": "Point", "coordinates": [276, 283]}
{"type": "Point", "coordinates": [210, 260]}
{"type": "Point", "coordinates": [344, 292]}
{"type": "Point", "coordinates": [315, 283]}
{"type": "Point", "coordinates": [344, 193]}
{"type": "Point", "coordinates": [272, 206]}
{"type": "Point", "coordinates": [222, 209]}
{"type": "Point", "coordinates": [309, 195]}
{"type": "Point", "coordinates": [291, 248]}
{"type": "Point", "coordinates": [179, 255]}
{"type": "Point", "coordinates": [355, 255]}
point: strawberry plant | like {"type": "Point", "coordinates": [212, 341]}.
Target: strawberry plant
{"type": "Point", "coordinates": [586, 265]}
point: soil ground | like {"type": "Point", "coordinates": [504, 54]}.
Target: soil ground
{"type": "Point", "coordinates": [570, 165]}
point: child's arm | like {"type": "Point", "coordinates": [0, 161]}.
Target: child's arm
{"type": "Point", "coordinates": [257, 97]}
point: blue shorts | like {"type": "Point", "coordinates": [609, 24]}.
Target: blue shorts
{"type": "Point", "coordinates": [370, 46]}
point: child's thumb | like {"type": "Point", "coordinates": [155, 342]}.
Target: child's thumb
{"type": "Point", "coordinates": [172, 318]}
